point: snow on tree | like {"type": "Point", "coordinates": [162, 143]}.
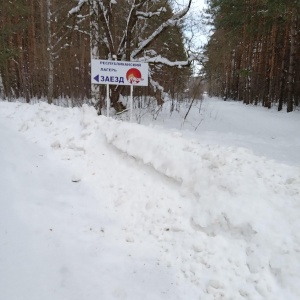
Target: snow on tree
{"type": "Point", "coordinates": [133, 30]}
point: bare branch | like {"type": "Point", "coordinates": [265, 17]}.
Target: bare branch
{"type": "Point", "coordinates": [131, 22]}
{"type": "Point", "coordinates": [162, 60]}
{"type": "Point", "coordinates": [170, 22]}
{"type": "Point", "coordinates": [106, 27]}
{"type": "Point", "coordinates": [77, 8]}
{"type": "Point", "coordinates": [148, 15]}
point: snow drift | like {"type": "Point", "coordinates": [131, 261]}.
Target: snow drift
{"type": "Point", "coordinates": [226, 220]}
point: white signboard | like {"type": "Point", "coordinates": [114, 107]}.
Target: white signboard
{"type": "Point", "coordinates": [119, 72]}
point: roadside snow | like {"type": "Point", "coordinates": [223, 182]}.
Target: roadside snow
{"type": "Point", "coordinates": [268, 133]}
{"type": "Point", "coordinates": [98, 208]}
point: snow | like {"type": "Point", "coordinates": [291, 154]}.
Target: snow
{"type": "Point", "coordinates": [267, 133]}
{"type": "Point", "coordinates": [98, 208]}
{"type": "Point", "coordinates": [172, 21]}
{"type": "Point", "coordinates": [165, 61]}
{"type": "Point", "coordinates": [77, 8]}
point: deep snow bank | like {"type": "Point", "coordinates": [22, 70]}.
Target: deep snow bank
{"type": "Point", "coordinates": [266, 132]}
{"type": "Point", "coordinates": [237, 194]}
{"type": "Point", "coordinates": [244, 209]}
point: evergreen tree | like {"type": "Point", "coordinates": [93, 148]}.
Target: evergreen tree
{"type": "Point", "coordinates": [44, 53]}
{"type": "Point", "coordinates": [254, 50]}
{"type": "Point", "coordinates": [13, 20]}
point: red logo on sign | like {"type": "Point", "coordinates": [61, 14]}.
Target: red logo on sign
{"type": "Point", "coordinates": [134, 76]}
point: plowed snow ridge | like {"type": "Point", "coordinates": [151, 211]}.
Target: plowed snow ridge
{"type": "Point", "coordinates": [226, 220]}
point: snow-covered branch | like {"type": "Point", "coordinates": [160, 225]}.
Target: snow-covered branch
{"type": "Point", "coordinates": [77, 8]}
{"type": "Point", "coordinates": [162, 60]}
{"type": "Point", "coordinates": [131, 22]}
{"type": "Point", "coordinates": [148, 15]}
{"type": "Point", "coordinates": [173, 21]}
{"type": "Point", "coordinates": [106, 26]}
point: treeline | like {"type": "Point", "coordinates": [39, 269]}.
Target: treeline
{"type": "Point", "coordinates": [35, 34]}
{"type": "Point", "coordinates": [45, 51]}
{"type": "Point", "coordinates": [254, 52]}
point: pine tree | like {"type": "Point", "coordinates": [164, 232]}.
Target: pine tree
{"type": "Point", "coordinates": [13, 21]}
{"type": "Point", "coordinates": [256, 48]}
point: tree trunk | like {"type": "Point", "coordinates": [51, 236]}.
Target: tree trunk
{"type": "Point", "coordinates": [283, 68]}
{"type": "Point", "coordinates": [272, 64]}
{"type": "Point", "coordinates": [293, 33]}
{"type": "Point", "coordinates": [50, 55]}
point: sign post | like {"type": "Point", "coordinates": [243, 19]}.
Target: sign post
{"type": "Point", "coordinates": [107, 100]}
{"type": "Point", "coordinates": [131, 102]}
{"type": "Point", "coordinates": [119, 73]}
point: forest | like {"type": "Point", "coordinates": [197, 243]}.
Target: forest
{"type": "Point", "coordinates": [251, 55]}
{"type": "Point", "coordinates": [46, 47]}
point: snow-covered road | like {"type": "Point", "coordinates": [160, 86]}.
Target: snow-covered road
{"type": "Point", "coordinates": [266, 132]}
{"type": "Point", "coordinates": [153, 215]}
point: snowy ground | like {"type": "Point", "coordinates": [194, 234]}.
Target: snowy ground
{"type": "Point", "coordinates": [95, 208]}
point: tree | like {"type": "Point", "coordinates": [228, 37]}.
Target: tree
{"type": "Point", "coordinates": [13, 21]}
{"type": "Point", "coordinates": [58, 31]}
{"type": "Point", "coordinates": [136, 30]}
{"type": "Point", "coordinates": [40, 54]}
{"type": "Point", "coordinates": [44, 53]}
{"type": "Point", "coordinates": [254, 50]}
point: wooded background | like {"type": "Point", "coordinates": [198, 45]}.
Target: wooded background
{"type": "Point", "coordinates": [252, 54]}
{"type": "Point", "coordinates": [45, 50]}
